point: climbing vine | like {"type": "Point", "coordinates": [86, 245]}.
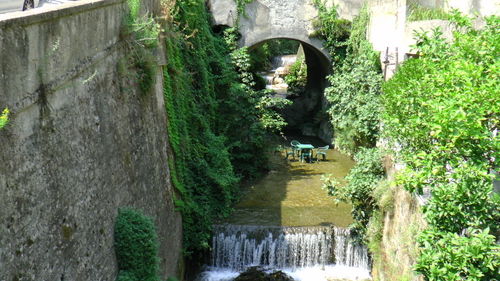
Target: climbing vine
{"type": "Point", "coordinates": [216, 121]}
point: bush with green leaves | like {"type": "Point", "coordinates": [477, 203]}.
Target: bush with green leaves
{"type": "Point", "coordinates": [296, 79]}
{"type": "Point", "coordinates": [358, 189]}
{"type": "Point", "coordinates": [136, 246]}
{"type": "Point", "coordinates": [442, 113]}
{"type": "Point", "coordinates": [355, 84]}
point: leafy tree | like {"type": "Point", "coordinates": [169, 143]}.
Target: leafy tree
{"type": "Point", "coordinates": [355, 88]}
{"type": "Point", "coordinates": [441, 112]}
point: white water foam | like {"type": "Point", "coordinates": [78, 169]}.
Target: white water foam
{"type": "Point", "coordinates": [326, 273]}
{"type": "Point", "coordinates": [304, 253]}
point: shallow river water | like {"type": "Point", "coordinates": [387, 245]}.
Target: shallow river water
{"type": "Point", "coordinates": [286, 221]}
{"type": "Point", "coordinates": [291, 194]}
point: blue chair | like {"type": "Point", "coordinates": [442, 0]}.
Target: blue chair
{"type": "Point", "coordinates": [321, 151]}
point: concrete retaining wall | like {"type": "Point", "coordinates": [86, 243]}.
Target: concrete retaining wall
{"type": "Point", "coordinates": [75, 152]}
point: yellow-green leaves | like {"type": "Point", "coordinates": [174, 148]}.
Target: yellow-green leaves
{"type": "Point", "coordinates": [442, 112]}
{"type": "Point", "coordinates": [4, 118]}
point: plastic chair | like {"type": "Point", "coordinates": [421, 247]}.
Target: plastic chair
{"type": "Point", "coordinates": [294, 143]}
{"type": "Point", "coordinates": [290, 151]}
{"type": "Point", "coordinates": [321, 151]}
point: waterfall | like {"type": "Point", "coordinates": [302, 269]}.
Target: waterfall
{"type": "Point", "coordinates": [282, 61]}
{"type": "Point", "coordinates": [291, 249]}
{"type": "Point", "coordinates": [347, 253]}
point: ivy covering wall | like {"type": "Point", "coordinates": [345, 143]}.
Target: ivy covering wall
{"type": "Point", "coordinates": [217, 123]}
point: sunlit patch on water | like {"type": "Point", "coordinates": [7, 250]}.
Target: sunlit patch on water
{"type": "Point", "coordinates": [286, 221]}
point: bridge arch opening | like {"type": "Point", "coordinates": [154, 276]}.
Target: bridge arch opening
{"type": "Point", "coordinates": [307, 113]}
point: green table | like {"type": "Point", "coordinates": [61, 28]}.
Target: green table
{"type": "Point", "coordinates": [305, 150]}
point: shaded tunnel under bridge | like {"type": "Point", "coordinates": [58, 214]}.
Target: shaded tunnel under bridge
{"type": "Point", "coordinates": [286, 19]}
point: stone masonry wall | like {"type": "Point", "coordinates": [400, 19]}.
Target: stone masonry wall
{"type": "Point", "coordinates": [75, 152]}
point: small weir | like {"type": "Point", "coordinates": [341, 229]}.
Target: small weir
{"type": "Point", "coordinates": [304, 253]}
{"type": "Point", "coordinates": [285, 221]}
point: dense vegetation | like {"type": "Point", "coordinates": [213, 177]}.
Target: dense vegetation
{"type": "Point", "coordinates": [442, 112]}
{"type": "Point", "coordinates": [355, 84]}
{"type": "Point", "coordinates": [136, 246]}
{"type": "Point", "coordinates": [217, 121]}
{"type": "Point", "coordinates": [354, 97]}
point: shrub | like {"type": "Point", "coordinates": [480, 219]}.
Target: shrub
{"type": "Point", "coordinates": [442, 113]}
{"type": "Point", "coordinates": [136, 246]}
{"type": "Point", "coordinates": [359, 187]}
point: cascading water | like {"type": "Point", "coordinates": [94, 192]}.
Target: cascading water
{"type": "Point", "coordinates": [285, 221]}
{"type": "Point", "coordinates": [282, 61]}
{"type": "Point", "coordinates": [274, 78]}
{"type": "Point", "coordinates": [305, 253]}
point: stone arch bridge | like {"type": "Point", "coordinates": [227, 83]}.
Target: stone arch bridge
{"type": "Point", "coordinates": [287, 19]}
{"type": "Point", "coordinates": [388, 31]}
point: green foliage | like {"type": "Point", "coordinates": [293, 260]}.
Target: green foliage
{"type": "Point", "coordinates": [259, 58]}
{"type": "Point", "coordinates": [442, 113]}
{"type": "Point", "coordinates": [417, 12]}
{"type": "Point", "coordinates": [355, 90]}
{"type": "Point", "coordinates": [296, 78]}
{"type": "Point", "coordinates": [265, 105]}
{"type": "Point", "coordinates": [278, 47]}
{"type": "Point", "coordinates": [472, 256]}
{"type": "Point", "coordinates": [261, 55]}
{"type": "Point", "coordinates": [144, 29]}
{"type": "Point", "coordinates": [359, 187]}
{"type": "Point", "coordinates": [240, 7]}
{"type": "Point", "coordinates": [136, 246]}
{"type": "Point", "coordinates": [216, 123]}
{"type": "Point", "coordinates": [142, 34]}
{"type": "Point", "coordinates": [4, 118]}
{"type": "Point", "coordinates": [334, 31]}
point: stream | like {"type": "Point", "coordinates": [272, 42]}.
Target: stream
{"type": "Point", "coordinates": [286, 221]}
